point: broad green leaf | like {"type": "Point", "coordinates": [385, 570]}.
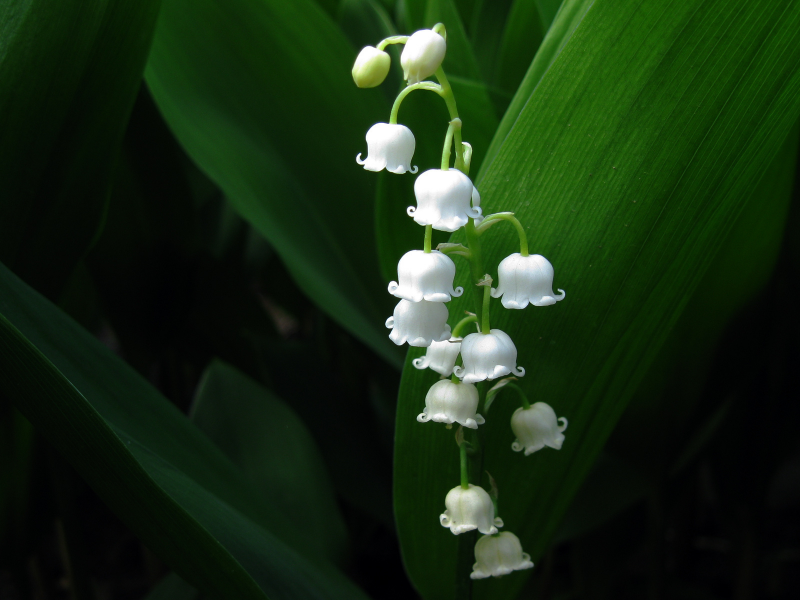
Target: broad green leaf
{"type": "Point", "coordinates": [569, 16]}
{"type": "Point", "coordinates": [275, 451]}
{"type": "Point", "coordinates": [629, 175]}
{"type": "Point", "coordinates": [662, 412]}
{"type": "Point", "coordinates": [69, 72]}
{"type": "Point", "coordinates": [166, 480]}
{"type": "Point", "coordinates": [260, 96]}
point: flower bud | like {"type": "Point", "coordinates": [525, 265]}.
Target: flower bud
{"type": "Point", "coordinates": [537, 427]}
{"type": "Point", "coordinates": [440, 357]}
{"type": "Point", "coordinates": [443, 199]}
{"type": "Point", "coordinates": [371, 67]}
{"type": "Point", "coordinates": [487, 356]}
{"type": "Point", "coordinates": [418, 323]}
{"type": "Point", "coordinates": [498, 555]}
{"type": "Point", "coordinates": [425, 276]}
{"type": "Point", "coordinates": [469, 509]}
{"type": "Point", "coordinates": [423, 54]}
{"type": "Point", "coordinates": [448, 402]}
{"type": "Point", "coordinates": [524, 280]}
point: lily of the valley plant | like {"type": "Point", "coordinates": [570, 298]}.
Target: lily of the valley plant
{"type": "Point", "coordinates": [447, 200]}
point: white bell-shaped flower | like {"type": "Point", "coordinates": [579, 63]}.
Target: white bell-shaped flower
{"type": "Point", "coordinates": [440, 356]}
{"type": "Point", "coordinates": [498, 555]}
{"type": "Point", "coordinates": [469, 509]}
{"type": "Point", "coordinates": [537, 427]}
{"type": "Point", "coordinates": [390, 147]}
{"type": "Point", "coordinates": [524, 280]}
{"type": "Point", "coordinates": [443, 200]}
{"type": "Point", "coordinates": [425, 276]}
{"type": "Point", "coordinates": [487, 356]}
{"type": "Point", "coordinates": [371, 67]}
{"type": "Point", "coordinates": [418, 323]}
{"type": "Point", "coordinates": [423, 54]}
{"type": "Point", "coordinates": [448, 402]}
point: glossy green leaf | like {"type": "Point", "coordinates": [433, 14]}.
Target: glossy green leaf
{"type": "Point", "coordinates": [276, 453]}
{"type": "Point", "coordinates": [629, 175]}
{"type": "Point", "coordinates": [69, 72]}
{"type": "Point", "coordinates": [567, 20]}
{"type": "Point", "coordinates": [260, 96]}
{"type": "Point", "coordinates": [176, 490]}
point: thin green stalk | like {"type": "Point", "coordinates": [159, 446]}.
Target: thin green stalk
{"type": "Point", "coordinates": [463, 323]}
{"type": "Point", "coordinates": [454, 125]}
{"type": "Point", "coordinates": [485, 311]}
{"type": "Point", "coordinates": [525, 404]}
{"type": "Point", "coordinates": [475, 266]}
{"type": "Point", "coordinates": [395, 39]}
{"type": "Point", "coordinates": [428, 235]}
{"type": "Point", "coordinates": [506, 216]}
{"type": "Point", "coordinates": [450, 100]}
{"type": "Point", "coordinates": [422, 85]}
{"type": "Point", "coordinates": [462, 450]}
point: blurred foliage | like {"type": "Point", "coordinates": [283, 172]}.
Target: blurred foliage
{"type": "Point", "coordinates": [197, 396]}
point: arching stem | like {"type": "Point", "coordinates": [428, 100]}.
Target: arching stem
{"type": "Point", "coordinates": [506, 216]}
{"type": "Point", "coordinates": [422, 85]}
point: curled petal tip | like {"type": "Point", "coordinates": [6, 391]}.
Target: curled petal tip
{"type": "Point", "coordinates": [420, 362]}
{"type": "Point", "coordinates": [520, 372]}
{"type": "Point", "coordinates": [516, 446]}
{"type": "Point", "coordinates": [413, 170]}
{"type": "Point", "coordinates": [393, 287]}
{"type": "Point", "coordinates": [562, 295]}
{"type": "Point", "coordinates": [390, 322]}
{"type": "Point", "coordinates": [423, 418]}
{"type": "Point", "coordinates": [411, 210]}
{"type": "Point", "coordinates": [563, 426]}
{"type": "Point", "coordinates": [458, 291]}
{"type": "Point", "coordinates": [358, 159]}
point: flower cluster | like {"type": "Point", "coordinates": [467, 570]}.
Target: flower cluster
{"type": "Point", "coordinates": [447, 200]}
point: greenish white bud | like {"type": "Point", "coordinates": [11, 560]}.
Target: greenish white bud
{"type": "Point", "coordinates": [371, 67]}
{"type": "Point", "coordinates": [422, 55]}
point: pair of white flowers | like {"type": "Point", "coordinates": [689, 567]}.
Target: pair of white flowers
{"type": "Point", "coordinates": [496, 553]}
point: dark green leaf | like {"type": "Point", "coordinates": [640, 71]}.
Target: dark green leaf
{"type": "Point", "coordinates": [260, 96]}
{"type": "Point", "coordinates": [69, 72]}
{"type": "Point", "coordinates": [275, 451]}
{"type": "Point", "coordinates": [168, 482]}
{"type": "Point", "coordinates": [630, 174]}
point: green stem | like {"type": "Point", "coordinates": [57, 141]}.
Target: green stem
{"type": "Point", "coordinates": [428, 235]}
{"type": "Point", "coordinates": [486, 298]}
{"type": "Point", "coordinates": [450, 101]}
{"type": "Point", "coordinates": [462, 449]}
{"type": "Point", "coordinates": [525, 404]}
{"type": "Point", "coordinates": [475, 266]}
{"type": "Point", "coordinates": [455, 125]}
{"type": "Point", "coordinates": [422, 85]}
{"type": "Point", "coordinates": [463, 323]}
{"type": "Point", "coordinates": [506, 216]}
{"type": "Point", "coordinates": [395, 39]}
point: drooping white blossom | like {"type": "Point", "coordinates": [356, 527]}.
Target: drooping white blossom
{"type": "Point", "coordinates": [487, 356]}
{"type": "Point", "coordinates": [469, 509]}
{"type": "Point", "coordinates": [449, 402]}
{"type": "Point", "coordinates": [390, 147]}
{"type": "Point", "coordinates": [443, 200]}
{"type": "Point", "coordinates": [418, 323]}
{"type": "Point", "coordinates": [371, 67]}
{"type": "Point", "coordinates": [423, 54]}
{"type": "Point", "coordinates": [425, 276]}
{"type": "Point", "coordinates": [440, 357]}
{"type": "Point", "coordinates": [498, 555]}
{"type": "Point", "coordinates": [537, 427]}
{"type": "Point", "coordinates": [524, 280]}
